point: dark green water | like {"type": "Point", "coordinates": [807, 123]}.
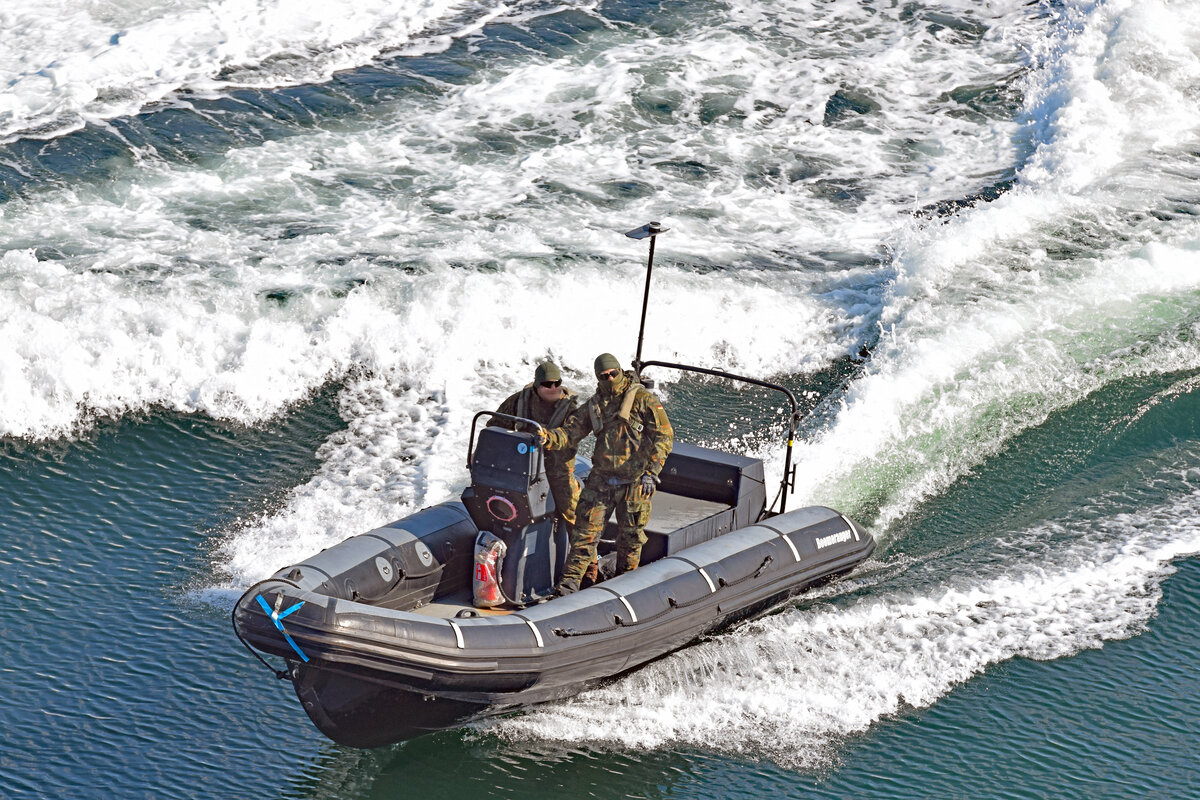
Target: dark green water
{"type": "Point", "coordinates": [248, 310]}
{"type": "Point", "coordinates": [122, 683]}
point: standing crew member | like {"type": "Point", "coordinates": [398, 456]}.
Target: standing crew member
{"type": "Point", "coordinates": [548, 402]}
{"type": "Point", "coordinates": [633, 439]}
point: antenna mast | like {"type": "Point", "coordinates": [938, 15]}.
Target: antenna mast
{"type": "Point", "coordinates": [650, 231]}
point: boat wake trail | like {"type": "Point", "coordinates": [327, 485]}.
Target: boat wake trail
{"type": "Point", "coordinates": [789, 687]}
{"type": "Point", "coordinates": [1079, 276]}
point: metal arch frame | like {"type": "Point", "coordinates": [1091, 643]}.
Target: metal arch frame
{"type": "Point", "coordinates": [789, 472]}
{"type": "Point", "coordinates": [651, 231]}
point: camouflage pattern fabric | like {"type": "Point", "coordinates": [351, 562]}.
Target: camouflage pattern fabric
{"type": "Point", "coordinates": [625, 450]}
{"type": "Point", "coordinates": [560, 464]}
{"type": "Point", "coordinates": [596, 503]}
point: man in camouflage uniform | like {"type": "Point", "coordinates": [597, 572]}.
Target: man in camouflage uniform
{"type": "Point", "coordinates": [548, 402]}
{"type": "Point", "coordinates": [633, 439]}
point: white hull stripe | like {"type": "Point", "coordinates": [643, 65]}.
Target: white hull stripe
{"type": "Point", "coordinates": [458, 634]}
{"type": "Point", "coordinates": [536, 633]}
{"type": "Point", "coordinates": [632, 614]}
{"type": "Point", "coordinates": [850, 525]}
{"type": "Point", "coordinates": [711, 586]}
{"type": "Point", "coordinates": [795, 552]}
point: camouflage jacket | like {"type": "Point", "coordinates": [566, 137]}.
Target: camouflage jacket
{"type": "Point", "coordinates": [625, 448]}
{"type": "Point", "coordinates": [526, 403]}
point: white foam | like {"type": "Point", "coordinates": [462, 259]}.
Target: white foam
{"type": "Point", "coordinates": [789, 687]}
{"type": "Point", "coordinates": [478, 262]}
{"type": "Point", "coordinates": [984, 332]}
{"type": "Point", "coordinates": [140, 241]}
{"type": "Point", "coordinates": [66, 63]}
{"type": "Point", "coordinates": [951, 386]}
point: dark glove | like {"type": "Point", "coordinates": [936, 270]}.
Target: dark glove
{"type": "Point", "coordinates": [647, 486]}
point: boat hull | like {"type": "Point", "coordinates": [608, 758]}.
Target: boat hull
{"type": "Point", "coordinates": [371, 676]}
{"type": "Point", "coordinates": [358, 710]}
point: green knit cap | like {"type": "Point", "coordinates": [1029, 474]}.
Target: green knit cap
{"type": "Point", "coordinates": [605, 362]}
{"type": "Point", "coordinates": [547, 371]}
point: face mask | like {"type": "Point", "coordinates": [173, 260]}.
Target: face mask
{"type": "Point", "coordinates": [609, 388]}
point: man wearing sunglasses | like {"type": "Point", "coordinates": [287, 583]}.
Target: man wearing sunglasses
{"type": "Point", "coordinates": [633, 439]}
{"type": "Point", "coordinates": [548, 402]}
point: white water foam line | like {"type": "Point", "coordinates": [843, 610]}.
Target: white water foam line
{"type": "Point", "coordinates": [791, 686]}
{"type": "Point", "coordinates": [942, 396]}
{"type": "Point", "coordinates": [66, 63]}
{"type": "Point", "coordinates": [95, 343]}
{"type": "Point", "coordinates": [985, 334]}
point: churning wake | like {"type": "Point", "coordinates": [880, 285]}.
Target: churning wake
{"type": "Point", "coordinates": [1011, 311]}
{"type": "Point", "coordinates": [789, 687]}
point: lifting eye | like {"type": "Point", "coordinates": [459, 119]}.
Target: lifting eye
{"type": "Point", "coordinates": [501, 508]}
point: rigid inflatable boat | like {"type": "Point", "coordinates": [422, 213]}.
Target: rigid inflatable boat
{"type": "Point", "coordinates": [382, 642]}
{"type": "Point", "coordinates": [382, 639]}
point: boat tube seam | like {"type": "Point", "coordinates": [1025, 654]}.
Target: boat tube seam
{"type": "Point", "coordinates": [379, 538]}
{"type": "Point", "coordinates": [711, 586]}
{"type": "Point", "coordinates": [621, 597]}
{"type": "Point", "coordinates": [791, 545]}
{"type": "Point", "coordinates": [458, 635]}
{"type": "Point", "coordinates": [850, 525]}
{"type": "Point", "coordinates": [536, 633]}
{"type": "Point", "coordinates": [632, 614]}
{"type": "Point", "coordinates": [784, 536]}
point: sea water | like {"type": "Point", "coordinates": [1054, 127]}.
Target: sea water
{"type": "Point", "coordinates": [261, 262]}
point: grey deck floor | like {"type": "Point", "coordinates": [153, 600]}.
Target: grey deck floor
{"type": "Point", "coordinates": [668, 512]}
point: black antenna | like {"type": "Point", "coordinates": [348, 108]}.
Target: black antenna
{"type": "Point", "coordinates": [650, 230]}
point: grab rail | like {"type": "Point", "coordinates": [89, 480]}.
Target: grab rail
{"type": "Point", "coordinates": [789, 472]}
{"type": "Point", "coordinates": [471, 442]}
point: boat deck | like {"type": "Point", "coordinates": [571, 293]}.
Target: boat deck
{"type": "Point", "coordinates": [668, 512]}
{"type": "Point", "coordinates": [449, 607]}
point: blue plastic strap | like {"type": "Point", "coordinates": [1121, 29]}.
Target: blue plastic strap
{"type": "Point", "coordinates": [277, 618]}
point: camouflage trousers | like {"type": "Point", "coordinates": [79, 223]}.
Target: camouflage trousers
{"type": "Point", "coordinates": [564, 487]}
{"type": "Point", "coordinates": [597, 502]}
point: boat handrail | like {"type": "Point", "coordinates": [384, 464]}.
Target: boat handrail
{"type": "Point", "coordinates": [789, 472]}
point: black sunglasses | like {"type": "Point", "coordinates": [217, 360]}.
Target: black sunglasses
{"type": "Point", "coordinates": [550, 384]}
{"type": "Point", "coordinates": [608, 375]}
